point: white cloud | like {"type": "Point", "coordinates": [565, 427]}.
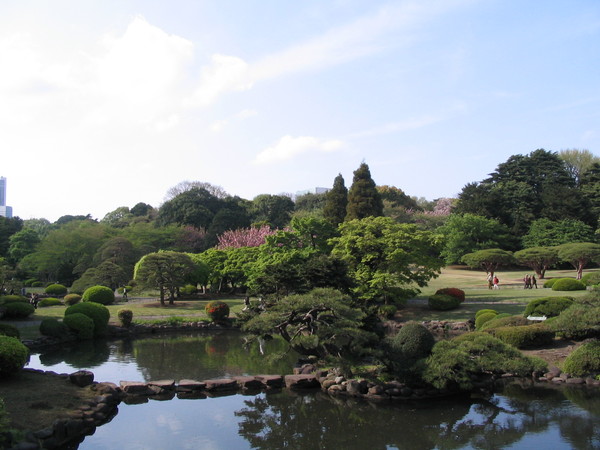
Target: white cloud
{"type": "Point", "coordinates": [289, 147]}
{"type": "Point", "coordinates": [219, 125]}
{"type": "Point", "coordinates": [396, 127]}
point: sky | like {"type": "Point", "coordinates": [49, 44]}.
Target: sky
{"type": "Point", "coordinates": [107, 104]}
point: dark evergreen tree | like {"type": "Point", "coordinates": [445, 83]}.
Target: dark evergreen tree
{"type": "Point", "coordinates": [363, 198]}
{"type": "Point", "coordinates": [336, 201]}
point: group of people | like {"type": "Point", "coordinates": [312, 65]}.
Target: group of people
{"type": "Point", "coordinates": [493, 282]}
{"type": "Point", "coordinates": [529, 282]}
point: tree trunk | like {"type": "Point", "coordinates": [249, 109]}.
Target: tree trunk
{"type": "Point", "coordinates": [162, 296]}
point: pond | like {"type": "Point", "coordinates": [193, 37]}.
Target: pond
{"type": "Point", "coordinates": [520, 415]}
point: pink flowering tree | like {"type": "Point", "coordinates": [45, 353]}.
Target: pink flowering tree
{"type": "Point", "coordinates": [244, 237]}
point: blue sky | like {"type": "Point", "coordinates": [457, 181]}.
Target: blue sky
{"type": "Point", "coordinates": [106, 104]}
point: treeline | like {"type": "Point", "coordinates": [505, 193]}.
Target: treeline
{"type": "Point", "coordinates": [537, 200]}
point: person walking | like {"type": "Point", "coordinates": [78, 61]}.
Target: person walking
{"type": "Point", "coordinates": [496, 282]}
{"type": "Point", "coordinates": [490, 280]}
{"type": "Point", "coordinates": [533, 282]}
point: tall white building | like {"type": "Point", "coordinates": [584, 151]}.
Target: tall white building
{"type": "Point", "coordinates": [5, 211]}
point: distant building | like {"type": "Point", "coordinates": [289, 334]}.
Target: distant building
{"type": "Point", "coordinates": [5, 211]}
{"type": "Point", "coordinates": [317, 190]}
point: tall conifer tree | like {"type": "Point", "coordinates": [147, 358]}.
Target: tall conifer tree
{"type": "Point", "coordinates": [336, 201]}
{"type": "Point", "coordinates": [363, 198]}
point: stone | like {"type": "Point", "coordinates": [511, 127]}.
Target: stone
{"type": "Point", "coordinates": [339, 380]}
{"type": "Point", "coordinates": [305, 381]}
{"type": "Point", "coordinates": [376, 390]}
{"type": "Point", "coordinates": [190, 385]}
{"type": "Point", "coordinates": [248, 382]}
{"type": "Point", "coordinates": [271, 381]}
{"type": "Point", "coordinates": [168, 385]}
{"type": "Point", "coordinates": [575, 380]}
{"type": "Point", "coordinates": [135, 388]}
{"type": "Point", "coordinates": [224, 384]}
{"type": "Point", "coordinates": [328, 383]}
{"type": "Point", "coordinates": [406, 392]}
{"type": "Point", "coordinates": [82, 378]}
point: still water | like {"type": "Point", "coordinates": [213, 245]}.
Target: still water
{"type": "Point", "coordinates": [519, 416]}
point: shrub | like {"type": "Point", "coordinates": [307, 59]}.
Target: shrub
{"type": "Point", "coordinates": [568, 284]}
{"type": "Point", "coordinates": [188, 289]}
{"type": "Point", "coordinates": [483, 318]}
{"type": "Point", "coordinates": [483, 311]}
{"type": "Point", "coordinates": [13, 356]}
{"type": "Point", "coordinates": [12, 299]}
{"type": "Point", "coordinates": [578, 322]}
{"type": "Point", "coordinates": [443, 302]}
{"type": "Point", "coordinates": [95, 311]}
{"type": "Point", "coordinates": [547, 306]}
{"type": "Point", "coordinates": [56, 289]}
{"type": "Point", "coordinates": [387, 311]}
{"type": "Point", "coordinates": [413, 342]}
{"type": "Point", "coordinates": [584, 360]}
{"type": "Point", "coordinates": [504, 321]}
{"type": "Point", "coordinates": [81, 324]}
{"type": "Point", "coordinates": [454, 292]}
{"type": "Point", "coordinates": [18, 310]}
{"type": "Point", "coordinates": [217, 310]}
{"type": "Point", "coordinates": [37, 284]}
{"type": "Point", "coordinates": [591, 278]}
{"type": "Point", "coordinates": [9, 330]}
{"type": "Point", "coordinates": [99, 294]}
{"type": "Point", "coordinates": [54, 328]}
{"type": "Point", "coordinates": [50, 301]}
{"type": "Point", "coordinates": [125, 317]}
{"type": "Point", "coordinates": [550, 282]}
{"type": "Point", "coordinates": [72, 299]}
{"type": "Point", "coordinates": [29, 282]}
{"type": "Point", "coordinates": [525, 335]}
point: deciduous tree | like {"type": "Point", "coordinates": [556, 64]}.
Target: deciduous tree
{"type": "Point", "coordinates": [489, 259]}
{"type": "Point", "coordinates": [579, 255]}
{"type": "Point", "coordinates": [539, 259]}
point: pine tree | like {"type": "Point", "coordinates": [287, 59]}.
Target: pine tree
{"type": "Point", "coordinates": [336, 201]}
{"type": "Point", "coordinates": [363, 198]}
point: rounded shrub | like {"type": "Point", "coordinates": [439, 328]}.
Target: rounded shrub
{"type": "Point", "coordinates": [13, 356]}
{"type": "Point", "coordinates": [9, 330]}
{"type": "Point", "coordinates": [387, 311]}
{"type": "Point", "coordinates": [29, 282]}
{"type": "Point", "coordinates": [547, 306]}
{"type": "Point", "coordinates": [217, 310]}
{"type": "Point", "coordinates": [50, 301]}
{"type": "Point", "coordinates": [505, 321]}
{"type": "Point", "coordinates": [591, 278]}
{"type": "Point", "coordinates": [12, 299]}
{"type": "Point", "coordinates": [454, 292]}
{"type": "Point", "coordinates": [443, 302]}
{"type": "Point", "coordinates": [72, 299]}
{"type": "Point", "coordinates": [95, 311]}
{"type": "Point", "coordinates": [584, 360]}
{"type": "Point", "coordinates": [56, 289]}
{"type": "Point", "coordinates": [550, 282]}
{"type": "Point", "coordinates": [54, 328]}
{"type": "Point", "coordinates": [525, 335]}
{"type": "Point", "coordinates": [37, 284]}
{"type": "Point", "coordinates": [568, 284]}
{"type": "Point", "coordinates": [81, 324]}
{"type": "Point", "coordinates": [99, 294]}
{"type": "Point", "coordinates": [483, 311]}
{"type": "Point", "coordinates": [18, 310]}
{"type": "Point", "coordinates": [578, 322]}
{"type": "Point", "coordinates": [413, 342]}
{"type": "Point", "coordinates": [125, 317]}
{"type": "Point", "coordinates": [483, 318]}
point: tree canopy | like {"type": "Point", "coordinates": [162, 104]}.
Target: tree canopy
{"type": "Point", "coordinates": [363, 198]}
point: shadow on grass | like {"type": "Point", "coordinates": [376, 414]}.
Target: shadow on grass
{"type": "Point", "coordinates": [465, 312]}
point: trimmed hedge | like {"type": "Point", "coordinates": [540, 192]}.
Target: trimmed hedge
{"type": "Point", "coordinates": [13, 299]}
{"type": "Point", "coordinates": [95, 311]}
{"type": "Point", "coordinates": [578, 322]}
{"type": "Point", "coordinates": [454, 292]}
{"type": "Point", "coordinates": [217, 310]}
{"type": "Point", "coordinates": [54, 328]}
{"type": "Point", "coordinates": [443, 302]}
{"type": "Point", "coordinates": [413, 341]}
{"type": "Point", "coordinates": [568, 284]}
{"type": "Point", "coordinates": [483, 311]}
{"type": "Point", "coordinates": [483, 318]}
{"type": "Point", "coordinates": [550, 282]}
{"type": "Point", "coordinates": [9, 330]}
{"type": "Point", "coordinates": [81, 324]}
{"type": "Point", "coordinates": [547, 306]}
{"type": "Point", "coordinates": [99, 294]}
{"type": "Point", "coordinates": [125, 317]}
{"type": "Point", "coordinates": [504, 321]}
{"type": "Point", "coordinates": [591, 278]}
{"type": "Point", "coordinates": [525, 335]}
{"type": "Point", "coordinates": [13, 356]}
{"type": "Point", "coordinates": [72, 299]}
{"type": "Point", "coordinates": [584, 360]}
{"type": "Point", "coordinates": [18, 310]}
{"type": "Point", "coordinates": [56, 289]}
{"type": "Point", "coordinates": [50, 301]}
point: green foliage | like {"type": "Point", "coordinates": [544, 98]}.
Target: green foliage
{"type": "Point", "coordinates": [550, 233]}
{"type": "Point", "coordinates": [412, 343]}
{"type": "Point", "coordinates": [71, 299]}
{"type": "Point", "coordinates": [584, 360]}
{"type": "Point", "coordinates": [579, 321]}
{"type": "Point", "coordinates": [18, 310]}
{"type": "Point", "coordinates": [52, 327]}
{"type": "Point", "coordinates": [95, 311]}
{"type": "Point", "coordinates": [82, 325]}
{"type": "Point", "coordinates": [125, 317]}
{"type": "Point", "coordinates": [502, 320]}
{"type": "Point", "coordinates": [484, 311]}
{"type": "Point", "coordinates": [579, 255]}
{"type": "Point", "coordinates": [363, 198]}
{"type": "Point", "coordinates": [99, 294]}
{"type": "Point", "coordinates": [454, 363]}
{"type": "Point", "coordinates": [540, 259]}
{"type": "Point", "coordinates": [13, 356]}
{"type": "Point", "coordinates": [217, 310]}
{"type": "Point", "coordinates": [387, 311]}
{"type": "Point", "coordinates": [13, 299]}
{"type": "Point", "coordinates": [524, 336]}
{"type": "Point", "coordinates": [454, 292]}
{"type": "Point", "coordinates": [547, 306]}
{"type": "Point", "coordinates": [9, 330]}
{"type": "Point", "coordinates": [49, 301]}
{"type": "Point", "coordinates": [568, 284]}
{"type": "Point", "coordinates": [56, 289]}
{"type": "Point", "coordinates": [443, 302]}
{"type": "Point", "coordinates": [591, 278]}
{"type": "Point", "coordinates": [274, 210]}
{"type": "Point", "coordinates": [549, 283]}
{"type": "Point", "coordinates": [336, 202]}
{"type": "Point", "coordinates": [37, 284]}
{"type": "Point", "coordinates": [188, 289]}
{"type": "Point", "coordinates": [488, 259]}
{"type": "Point", "coordinates": [483, 318]}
